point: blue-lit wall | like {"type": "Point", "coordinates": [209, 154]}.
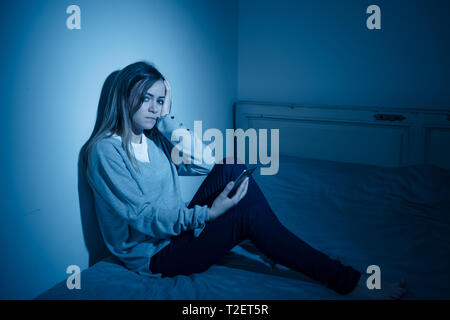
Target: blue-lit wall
{"type": "Point", "coordinates": [51, 79]}
{"type": "Point", "coordinates": [321, 53]}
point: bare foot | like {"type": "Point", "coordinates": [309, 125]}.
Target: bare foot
{"type": "Point", "coordinates": [388, 291]}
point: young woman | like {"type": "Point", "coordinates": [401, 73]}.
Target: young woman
{"type": "Point", "coordinates": [145, 222]}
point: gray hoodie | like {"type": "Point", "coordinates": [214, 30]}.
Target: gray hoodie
{"type": "Point", "coordinates": [138, 213]}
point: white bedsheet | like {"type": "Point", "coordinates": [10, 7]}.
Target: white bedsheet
{"type": "Point", "coordinates": [397, 219]}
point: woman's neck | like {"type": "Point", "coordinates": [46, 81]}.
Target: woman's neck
{"type": "Point", "coordinates": [136, 136]}
{"type": "Point", "coordinates": [136, 139]}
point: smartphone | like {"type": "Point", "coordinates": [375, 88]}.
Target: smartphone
{"type": "Point", "coordinates": [246, 173]}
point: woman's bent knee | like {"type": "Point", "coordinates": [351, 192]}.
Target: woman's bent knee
{"type": "Point", "coordinates": [233, 168]}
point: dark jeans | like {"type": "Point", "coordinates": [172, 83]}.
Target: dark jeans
{"type": "Point", "coordinates": [252, 218]}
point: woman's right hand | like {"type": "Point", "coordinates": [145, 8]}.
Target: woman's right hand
{"type": "Point", "coordinates": [222, 203]}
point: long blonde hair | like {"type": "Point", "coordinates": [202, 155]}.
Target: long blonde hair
{"type": "Point", "coordinates": [122, 95]}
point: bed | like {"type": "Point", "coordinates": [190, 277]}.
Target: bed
{"type": "Point", "coordinates": [394, 216]}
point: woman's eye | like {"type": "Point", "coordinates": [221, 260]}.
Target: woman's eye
{"type": "Point", "coordinates": [146, 99]}
{"type": "Point", "coordinates": [161, 101]}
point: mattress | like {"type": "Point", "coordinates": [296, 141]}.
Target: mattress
{"type": "Point", "coordinates": [395, 218]}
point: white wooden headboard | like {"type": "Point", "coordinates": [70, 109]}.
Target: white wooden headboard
{"type": "Point", "coordinates": [387, 137]}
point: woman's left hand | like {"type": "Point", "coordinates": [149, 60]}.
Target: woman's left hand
{"type": "Point", "coordinates": [167, 101]}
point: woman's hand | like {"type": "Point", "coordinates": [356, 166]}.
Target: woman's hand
{"type": "Point", "coordinates": [167, 100]}
{"type": "Point", "coordinates": [223, 203]}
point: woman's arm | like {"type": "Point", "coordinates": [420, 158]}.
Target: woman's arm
{"type": "Point", "coordinates": [113, 183]}
{"type": "Point", "coordinates": [193, 164]}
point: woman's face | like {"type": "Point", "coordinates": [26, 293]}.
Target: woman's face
{"type": "Point", "coordinates": [145, 117]}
